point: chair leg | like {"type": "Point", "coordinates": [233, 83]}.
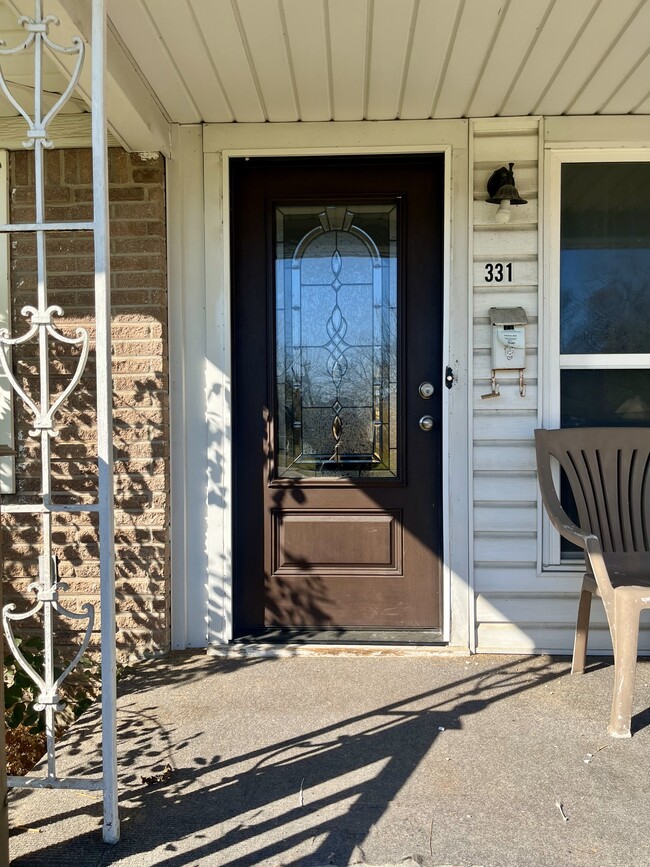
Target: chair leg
{"type": "Point", "coordinates": [626, 639]}
{"type": "Point", "coordinates": [582, 633]}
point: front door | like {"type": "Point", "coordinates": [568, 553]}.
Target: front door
{"type": "Point", "coordinates": [337, 328]}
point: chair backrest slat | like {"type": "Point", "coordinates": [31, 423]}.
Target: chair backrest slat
{"type": "Point", "coordinates": [644, 501]}
{"type": "Point", "coordinates": [608, 470]}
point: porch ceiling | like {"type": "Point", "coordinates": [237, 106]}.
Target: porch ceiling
{"type": "Point", "coordinates": [319, 60]}
{"type": "Point", "coordinates": [193, 61]}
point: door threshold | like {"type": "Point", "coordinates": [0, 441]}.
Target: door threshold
{"type": "Point", "coordinates": [276, 650]}
{"type": "Point", "coordinates": [366, 636]}
{"type": "Point", "coordinates": [339, 642]}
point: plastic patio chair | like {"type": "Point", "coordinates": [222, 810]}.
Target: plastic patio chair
{"type": "Point", "coordinates": [608, 470]}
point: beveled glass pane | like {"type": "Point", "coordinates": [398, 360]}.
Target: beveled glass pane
{"type": "Point", "coordinates": [605, 258]}
{"type": "Point", "coordinates": [336, 341]}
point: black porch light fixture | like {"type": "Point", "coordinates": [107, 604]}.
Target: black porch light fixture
{"type": "Point", "coordinates": [503, 192]}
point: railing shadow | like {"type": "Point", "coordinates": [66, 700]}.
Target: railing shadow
{"type": "Point", "coordinates": [253, 801]}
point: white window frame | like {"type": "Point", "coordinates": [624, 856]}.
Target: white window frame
{"type": "Point", "coordinates": [7, 464]}
{"type": "Point", "coordinates": [554, 362]}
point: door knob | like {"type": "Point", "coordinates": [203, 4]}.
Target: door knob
{"type": "Point", "coordinates": [426, 422]}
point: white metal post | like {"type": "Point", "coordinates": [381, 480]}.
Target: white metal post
{"type": "Point", "coordinates": [43, 409]}
{"type": "Point", "coordinates": [104, 422]}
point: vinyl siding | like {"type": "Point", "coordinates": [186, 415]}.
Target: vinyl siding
{"type": "Point", "coordinates": [514, 611]}
{"type": "Point", "coordinates": [516, 608]}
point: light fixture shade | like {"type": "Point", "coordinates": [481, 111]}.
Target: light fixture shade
{"type": "Point", "coordinates": [501, 186]}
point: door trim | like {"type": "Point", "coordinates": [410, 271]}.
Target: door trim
{"type": "Point", "coordinates": [221, 143]}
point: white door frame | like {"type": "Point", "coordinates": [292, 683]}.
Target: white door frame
{"type": "Point", "coordinates": [202, 527]}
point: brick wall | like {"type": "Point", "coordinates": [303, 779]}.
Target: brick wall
{"type": "Point", "coordinates": [140, 384]}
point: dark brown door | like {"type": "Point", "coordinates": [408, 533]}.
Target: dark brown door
{"type": "Point", "coordinates": [337, 312]}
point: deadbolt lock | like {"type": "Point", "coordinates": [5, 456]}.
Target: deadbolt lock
{"type": "Point", "coordinates": [426, 390]}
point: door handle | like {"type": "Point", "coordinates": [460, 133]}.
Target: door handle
{"type": "Point", "coordinates": [427, 422]}
{"type": "Point", "coordinates": [449, 377]}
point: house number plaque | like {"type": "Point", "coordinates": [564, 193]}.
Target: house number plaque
{"type": "Point", "coordinates": [498, 272]}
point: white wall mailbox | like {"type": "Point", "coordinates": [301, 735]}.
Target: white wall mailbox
{"type": "Point", "coordinates": [508, 337]}
{"type": "Point", "coordinates": [508, 344]}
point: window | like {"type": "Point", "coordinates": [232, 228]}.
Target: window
{"type": "Point", "coordinates": [599, 328]}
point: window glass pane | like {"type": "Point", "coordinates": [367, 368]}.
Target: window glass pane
{"type": "Point", "coordinates": [605, 398]}
{"type": "Point", "coordinates": [336, 340]}
{"type": "Point", "coordinates": [605, 258]}
{"type": "Point", "coordinates": [600, 398]}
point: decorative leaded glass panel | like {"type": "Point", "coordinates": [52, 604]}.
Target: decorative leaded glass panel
{"type": "Point", "coordinates": [336, 341]}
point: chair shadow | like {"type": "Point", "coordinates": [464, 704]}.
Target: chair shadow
{"type": "Point", "coordinates": [641, 720]}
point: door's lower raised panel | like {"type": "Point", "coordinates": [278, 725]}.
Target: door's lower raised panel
{"type": "Point", "coordinates": [337, 543]}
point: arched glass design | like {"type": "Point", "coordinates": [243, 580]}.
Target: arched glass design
{"type": "Point", "coordinates": [336, 323]}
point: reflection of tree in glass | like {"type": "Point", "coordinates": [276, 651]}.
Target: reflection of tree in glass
{"type": "Point", "coordinates": [336, 348]}
{"type": "Point", "coordinates": [367, 380]}
{"type": "Point", "coordinates": [605, 301]}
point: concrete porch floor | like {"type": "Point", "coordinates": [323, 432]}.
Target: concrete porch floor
{"type": "Point", "coordinates": [340, 760]}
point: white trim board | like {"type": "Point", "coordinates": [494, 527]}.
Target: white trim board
{"type": "Point", "coordinates": [601, 131]}
{"type": "Point", "coordinates": [7, 464]}
{"type": "Point", "coordinates": [187, 352]}
{"type": "Point", "coordinates": [298, 139]}
{"type": "Point", "coordinates": [207, 526]}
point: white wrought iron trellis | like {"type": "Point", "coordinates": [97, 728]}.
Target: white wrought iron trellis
{"type": "Point", "coordinates": [41, 327]}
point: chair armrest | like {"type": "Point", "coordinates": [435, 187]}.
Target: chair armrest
{"type": "Point", "coordinates": [591, 544]}
{"type": "Point", "coordinates": [565, 527]}
{"type": "Point", "coordinates": [559, 518]}
{"type": "Point", "coordinates": [598, 568]}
